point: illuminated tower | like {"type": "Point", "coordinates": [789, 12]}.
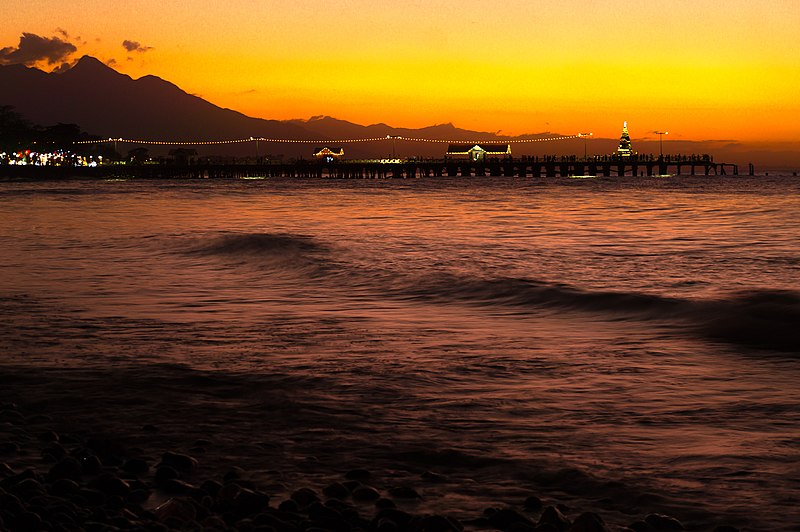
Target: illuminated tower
{"type": "Point", "coordinates": [624, 149]}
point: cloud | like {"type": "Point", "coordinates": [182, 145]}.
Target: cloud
{"type": "Point", "coordinates": [133, 46]}
{"type": "Point", "coordinates": [33, 48]}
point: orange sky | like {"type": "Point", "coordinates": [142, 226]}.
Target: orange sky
{"type": "Point", "coordinates": [702, 69]}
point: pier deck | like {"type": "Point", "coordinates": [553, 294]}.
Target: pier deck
{"type": "Point", "coordinates": [376, 170]}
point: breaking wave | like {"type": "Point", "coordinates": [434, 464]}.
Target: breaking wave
{"type": "Point", "coordinates": [762, 318]}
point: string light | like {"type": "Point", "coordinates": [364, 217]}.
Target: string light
{"type": "Point", "coordinates": [325, 141]}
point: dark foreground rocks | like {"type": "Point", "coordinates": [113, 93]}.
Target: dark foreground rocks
{"type": "Point", "coordinates": [50, 481]}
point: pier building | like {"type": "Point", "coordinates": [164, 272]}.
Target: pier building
{"type": "Point", "coordinates": [477, 152]}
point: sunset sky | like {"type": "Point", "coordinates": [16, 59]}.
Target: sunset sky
{"type": "Point", "coordinates": [702, 69]}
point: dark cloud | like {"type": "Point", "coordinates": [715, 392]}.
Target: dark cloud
{"type": "Point", "coordinates": [133, 46]}
{"type": "Point", "coordinates": [63, 67]}
{"type": "Point", "coordinates": [34, 48]}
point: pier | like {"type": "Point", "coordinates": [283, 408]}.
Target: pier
{"type": "Point", "coordinates": [410, 169]}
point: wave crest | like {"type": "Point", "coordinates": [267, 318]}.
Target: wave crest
{"type": "Point", "coordinates": [280, 253]}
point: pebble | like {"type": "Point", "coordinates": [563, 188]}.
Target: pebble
{"type": "Point", "coordinates": [533, 504]}
{"type": "Point", "coordinates": [110, 484]}
{"type": "Point", "coordinates": [505, 518]}
{"type": "Point", "coordinates": [165, 472]}
{"type": "Point", "coordinates": [336, 491]}
{"type": "Point", "coordinates": [404, 492]}
{"type": "Point", "coordinates": [179, 509]}
{"type": "Point", "coordinates": [249, 502]}
{"type": "Point", "coordinates": [304, 497]}
{"type": "Point", "coordinates": [663, 522]}
{"type": "Point", "coordinates": [6, 470]}
{"type": "Point", "coordinates": [67, 468]}
{"type": "Point", "coordinates": [173, 486]}
{"type": "Point", "coordinates": [64, 487]}
{"type": "Point", "coordinates": [588, 522]}
{"type": "Point", "coordinates": [91, 465]}
{"type": "Point", "coordinates": [366, 493]}
{"type": "Point", "coordinates": [9, 447]}
{"type": "Point", "coordinates": [384, 503]}
{"type": "Point", "coordinates": [48, 436]}
{"type": "Point", "coordinates": [83, 490]}
{"type": "Point", "coordinates": [178, 461]}
{"type": "Point", "coordinates": [552, 516]}
{"type": "Point", "coordinates": [137, 466]}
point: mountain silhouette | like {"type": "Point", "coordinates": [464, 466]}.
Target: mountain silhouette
{"type": "Point", "coordinates": [107, 103]}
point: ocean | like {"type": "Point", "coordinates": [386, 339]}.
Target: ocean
{"type": "Point", "coordinates": [621, 345]}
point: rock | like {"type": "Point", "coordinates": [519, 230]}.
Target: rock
{"type": "Point", "coordinates": [304, 496]}
{"type": "Point", "coordinates": [91, 465]}
{"type": "Point", "coordinates": [553, 516]}
{"type": "Point", "coordinates": [533, 504]}
{"type": "Point", "coordinates": [384, 503]}
{"type": "Point", "coordinates": [547, 527]}
{"type": "Point", "coordinates": [404, 492]}
{"type": "Point", "coordinates": [6, 471]}
{"type": "Point", "coordinates": [436, 523]}
{"type": "Point", "coordinates": [234, 473]}
{"type": "Point", "coordinates": [228, 493]}
{"type": "Point", "coordinates": [12, 416]}
{"type": "Point", "coordinates": [48, 436]}
{"type": "Point", "coordinates": [386, 525]}
{"type": "Point", "coordinates": [67, 468]}
{"type": "Point", "coordinates": [54, 452]}
{"type": "Point", "coordinates": [174, 486]}
{"type": "Point", "coordinates": [28, 521]}
{"type": "Point", "coordinates": [179, 509]}
{"type": "Point", "coordinates": [726, 528]}
{"type": "Point", "coordinates": [399, 517]}
{"type": "Point", "coordinates": [366, 493]}
{"type": "Point", "coordinates": [588, 522]}
{"type": "Point", "coordinates": [663, 522]}
{"type": "Point", "coordinates": [249, 502]}
{"type": "Point", "coordinates": [109, 452]}
{"type": "Point", "coordinates": [506, 519]}
{"type": "Point", "coordinates": [9, 447]}
{"type": "Point", "coordinates": [28, 488]}
{"type": "Point", "coordinates": [336, 491]}
{"type": "Point", "coordinates": [358, 474]}
{"type": "Point", "coordinates": [111, 485]}
{"type": "Point", "coordinates": [89, 497]}
{"type": "Point", "coordinates": [139, 496]}
{"type": "Point", "coordinates": [178, 461]}
{"type": "Point", "coordinates": [136, 466]}
{"type": "Point", "coordinates": [289, 506]}
{"type": "Point", "coordinates": [64, 487]}
{"type": "Point", "coordinates": [640, 526]}
{"type": "Point", "coordinates": [211, 487]}
{"type": "Point", "coordinates": [165, 472]}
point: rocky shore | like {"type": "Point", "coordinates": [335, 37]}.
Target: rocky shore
{"type": "Point", "coordinates": [53, 480]}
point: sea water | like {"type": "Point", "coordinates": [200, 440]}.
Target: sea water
{"type": "Point", "coordinates": [619, 344]}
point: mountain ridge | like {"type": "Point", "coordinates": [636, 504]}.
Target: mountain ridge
{"type": "Point", "coordinates": [108, 103]}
